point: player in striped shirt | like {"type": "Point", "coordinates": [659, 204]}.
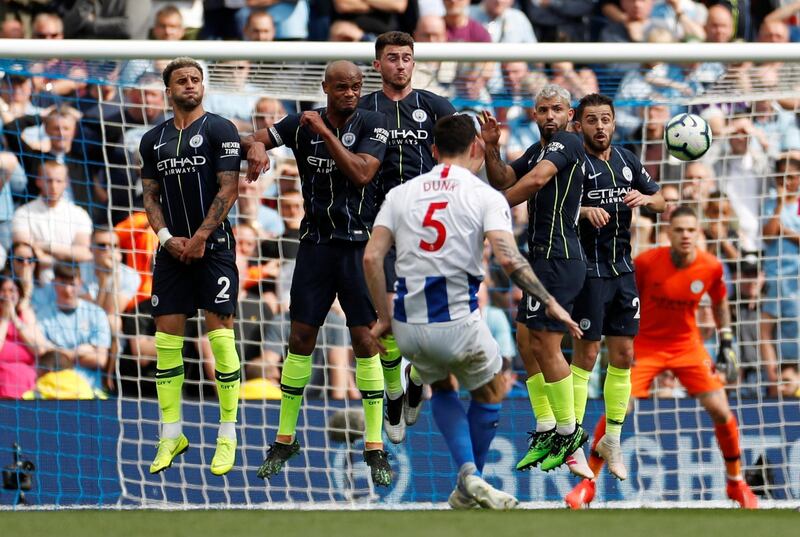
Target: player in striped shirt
{"type": "Point", "coordinates": [411, 115]}
{"type": "Point", "coordinates": [438, 223]}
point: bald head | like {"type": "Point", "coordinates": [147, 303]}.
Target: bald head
{"type": "Point", "coordinates": [342, 85]}
{"type": "Point", "coordinates": [341, 69]}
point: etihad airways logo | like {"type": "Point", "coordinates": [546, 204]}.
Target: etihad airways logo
{"type": "Point", "coordinates": [407, 136]}
{"type": "Point", "coordinates": [181, 165]}
{"type": "Point", "coordinates": [607, 196]}
{"type": "Point", "coordinates": [321, 165]}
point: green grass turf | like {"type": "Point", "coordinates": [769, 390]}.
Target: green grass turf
{"type": "Point", "coordinates": [534, 523]}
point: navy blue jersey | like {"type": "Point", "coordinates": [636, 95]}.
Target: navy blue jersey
{"type": "Point", "coordinates": [410, 123]}
{"type": "Point", "coordinates": [608, 249]}
{"type": "Point", "coordinates": [553, 211]}
{"type": "Point", "coordinates": [335, 207]}
{"type": "Point", "coordinates": [186, 163]}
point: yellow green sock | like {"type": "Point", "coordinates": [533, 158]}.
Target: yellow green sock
{"type": "Point", "coordinates": [296, 374]}
{"type": "Point", "coordinates": [562, 400]}
{"type": "Point", "coordinates": [390, 362]}
{"type": "Point", "coordinates": [169, 375]}
{"type": "Point", "coordinates": [580, 388]}
{"type": "Point", "coordinates": [545, 419]}
{"type": "Point", "coordinates": [617, 394]}
{"type": "Point", "coordinates": [414, 376]}
{"type": "Point", "coordinates": [369, 379]}
{"type": "Point", "coordinates": [227, 372]}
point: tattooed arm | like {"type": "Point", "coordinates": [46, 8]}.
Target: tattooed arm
{"type": "Point", "coordinates": [155, 215]}
{"type": "Point", "coordinates": [519, 270]}
{"type": "Point", "coordinates": [220, 205]}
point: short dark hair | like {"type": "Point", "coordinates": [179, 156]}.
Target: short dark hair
{"type": "Point", "coordinates": [593, 99]}
{"type": "Point", "coordinates": [398, 39]}
{"type": "Point", "coordinates": [784, 162]}
{"type": "Point", "coordinates": [179, 63]}
{"type": "Point", "coordinates": [66, 271]}
{"type": "Point", "coordinates": [453, 135]}
{"type": "Point", "coordinates": [682, 210]}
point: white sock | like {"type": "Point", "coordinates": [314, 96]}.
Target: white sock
{"type": "Point", "coordinates": [542, 426]}
{"type": "Point", "coordinates": [227, 429]}
{"type": "Point", "coordinates": [566, 430]}
{"type": "Point", "coordinates": [171, 430]}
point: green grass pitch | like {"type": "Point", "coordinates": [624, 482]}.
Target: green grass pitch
{"type": "Point", "coordinates": [522, 523]}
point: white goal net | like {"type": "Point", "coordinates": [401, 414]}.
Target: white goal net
{"type": "Point", "coordinates": [98, 451]}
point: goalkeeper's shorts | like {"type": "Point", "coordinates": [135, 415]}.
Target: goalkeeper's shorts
{"type": "Point", "coordinates": [693, 367]}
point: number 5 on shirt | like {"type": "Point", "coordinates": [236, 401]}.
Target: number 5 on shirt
{"type": "Point", "coordinates": [438, 225]}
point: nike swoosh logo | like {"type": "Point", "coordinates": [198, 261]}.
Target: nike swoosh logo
{"type": "Point", "coordinates": [158, 376]}
{"type": "Point", "coordinates": [315, 142]}
{"type": "Point", "coordinates": [226, 378]}
{"type": "Point", "coordinates": [226, 156]}
{"type": "Point", "coordinates": [592, 176]}
{"type": "Point", "coordinates": [218, 301]}
{"type": "Point", "coordinates": [159, 145]}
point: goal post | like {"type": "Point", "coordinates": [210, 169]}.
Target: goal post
{"type": "Point", "coordinates": [98, 452]}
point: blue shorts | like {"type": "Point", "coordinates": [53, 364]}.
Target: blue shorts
{"type": "Point", "coordinates": [608, 307]}
{"type": "Point", "coordinates": [388, 269]}
{"type": "Point", "coordinates": [210, 284]}
{"type": "Point", "coordinates": [324, 271]}
{"type": "Point", "coordinates": [563, 278]}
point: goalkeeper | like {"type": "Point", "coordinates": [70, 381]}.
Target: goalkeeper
{"type": "Point", "coordinates": [671, 281]}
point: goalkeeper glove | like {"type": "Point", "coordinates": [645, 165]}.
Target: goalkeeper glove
{"type": "Point", "coordinates": [727, 361]}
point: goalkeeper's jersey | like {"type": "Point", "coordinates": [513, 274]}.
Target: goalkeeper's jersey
{"type": "Point", "coordinates": [670, 296]}
{"type": "Point", "coordinates": [438, 221]}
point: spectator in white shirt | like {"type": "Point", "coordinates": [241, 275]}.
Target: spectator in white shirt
{"type": "Point", "coordinates": [57, 229]}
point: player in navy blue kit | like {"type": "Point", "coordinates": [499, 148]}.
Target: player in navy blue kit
{"type": "Point", "coordinates": [411, 115]}
{"type": "Point", "coordinates": [190, 175]}
{"type": "Point", "coordinates": [339, 149]}
{"type": "Point", "coordinates": [616, 183]}
{"type": "Point", "coordinates": [549, 176]}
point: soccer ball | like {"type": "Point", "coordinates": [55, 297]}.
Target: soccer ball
{"type": "Point", "coordinates": [687, 136]}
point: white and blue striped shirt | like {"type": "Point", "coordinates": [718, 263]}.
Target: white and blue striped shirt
{"type": "Point", "coordinates": [438, 221]}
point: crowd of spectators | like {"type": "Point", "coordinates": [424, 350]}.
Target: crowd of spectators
{"type": "Point", "coordinates": [78, 250]}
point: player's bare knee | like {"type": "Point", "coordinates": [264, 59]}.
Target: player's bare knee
{"type": "Point", "coordinates": [302, 339]}
{"type": "Point", "coordinates": [584, 354]}
{"type": "Point", "coordinates": [216, 320]}
{"type": "Point", "coordinates": [491, 392]}
{"type": "Point", "coordinates": [716, 404]}
{"type": "Point", "coordinates": [363, 343]}
{"type": "Point", "coordinates": [448, 384]}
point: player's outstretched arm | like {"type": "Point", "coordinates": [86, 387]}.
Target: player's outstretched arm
{"type": "Point", "coordinates": [531, 183]}
{"type": "Point", "coordinates": [226, 196]}
{"type": "Point", "coordinates": [151, 195]}
{"type": "Point", "coordinates": [360, 168]}
{"type": "Point", "coordinates": [519, 270]}
{"type": "Point", "coordinates": [500, 175]}
{"type": "Point", "coordinates": [379, 244]}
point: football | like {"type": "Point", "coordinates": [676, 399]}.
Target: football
{"type": "Point", "coordinates": [687, 136]}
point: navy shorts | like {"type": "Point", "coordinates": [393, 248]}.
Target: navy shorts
{"type": "Point", "coordinates": [211, 284]}
{"type": "Point", "coordinates": [608, 307]}
{"type": "Point", "coordinates": [324, 271]}
{"type": "Point", "coordinates": [563, 278]}
{"type": "Point", "coordinates": [388, 269]}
